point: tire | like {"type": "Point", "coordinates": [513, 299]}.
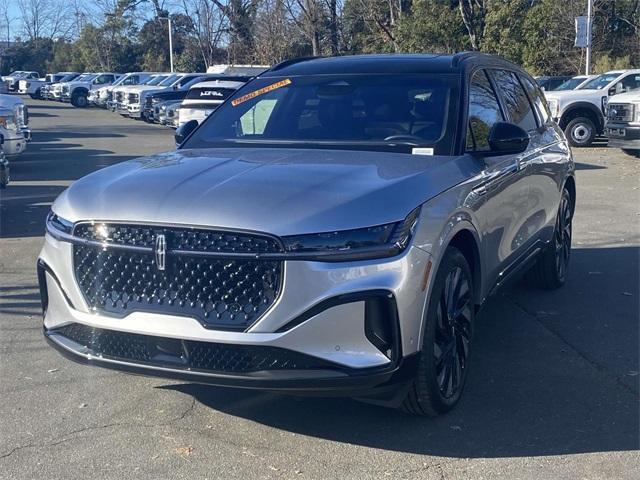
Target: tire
{"type": "Point", "coordinates": [580, 132]}
{"type": "Point", "coordinates": [550, 270]}
{"type": "Point", "coordinates": [79, 100]}
{"type": "Point", "coordinates": [633, 153]}
{"type": "Point", "coordinates": [434, 392]}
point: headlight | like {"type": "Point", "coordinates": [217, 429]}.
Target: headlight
{"type": "Point", "coordinates": [359, 244]}
{"type": "Point", "coordinates": [636, 108]}
{"type": "Point", "coordinates": [56, 225]}
{"type": "Point", "coordinates": [8, 121]}
{"type": "Point", "coordinates": [21, 115]}
{"type": "Point", "coordinates": [553, 107]}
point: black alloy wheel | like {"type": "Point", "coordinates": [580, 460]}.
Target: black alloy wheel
{"type": "Point", "coordinates": [453, 332]}
{"type": "Point", "coordinates": [444, 358]}
{"type": "Point", "coordinates": [562, 237]}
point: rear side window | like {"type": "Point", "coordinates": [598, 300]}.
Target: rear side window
{"type": "Point", "coordinates": [537, 97]}
{"type": "Point", "coordinates": [518, 107]}
{"type": "Point", "coordinates": [484, 112]}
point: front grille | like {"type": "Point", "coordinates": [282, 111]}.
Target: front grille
{"type": "Point", "coordinates": [221, 292]}
{"type": "Point", "coordinates": [133, 98]}
{"type": "Point", "coordinates": [187, 354]}
{"type": "Point", "coordinates": [620, 112]}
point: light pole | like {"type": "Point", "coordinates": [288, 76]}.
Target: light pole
{"type": "Point", "coordinates": [589, 21]}
{"type": "Point", "coordinates": [168, 19]}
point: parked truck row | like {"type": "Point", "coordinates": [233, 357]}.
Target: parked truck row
{"type": "Point", "coordinates": [170, 99]}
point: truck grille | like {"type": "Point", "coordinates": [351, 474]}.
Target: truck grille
{"type": "Point", "coordinates": [620, 112]}
{"type": "Point", "coordinates": [133, 98]}
{"type": "Point", "coordinates": [221, 291]}
{"type": "Point", "coordinates": [187, 354]}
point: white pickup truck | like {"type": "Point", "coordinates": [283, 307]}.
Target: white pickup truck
{"type": "Point", "coordinates": [581, 112]}
{"type": "Point", "coordinates": [14, 124]}
{"type": "Point", "coordinates": [33, 87]}
{"type": "Point", "coordinates": [102, 96]}
{"type": "Point", "coordinates": [623, 122]}
{"type": "Point", "coordinates": [11, 80]}
{"type": "Point", "coordinates": [77, 91]}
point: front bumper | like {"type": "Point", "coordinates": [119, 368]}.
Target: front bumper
{"type": "Point", "coordinates": [322, 314]}
{"type": "Point", "coordinates": [629, 140]}
{"type": "Point", "coordinates": [16, 143]}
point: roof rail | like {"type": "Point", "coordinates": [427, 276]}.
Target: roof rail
{"type": "Point", "coordinates": [461, 56]}
{"type": "Point", "coordinates": [292, 61]}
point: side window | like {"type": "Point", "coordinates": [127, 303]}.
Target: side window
{"type": "Point", "coordinates": [537, 97]}
{"type": "Point", "coordinates": [630, 82]}
{"type": "Point", "coordinates": [484, 112]}
{"type": "Point", "coordinates": [517, 104]}
{"type": "Point", "coordinates": [101, 80]}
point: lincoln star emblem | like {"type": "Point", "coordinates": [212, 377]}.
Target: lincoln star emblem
{"type": "Point", "coordinates": [161, 251]}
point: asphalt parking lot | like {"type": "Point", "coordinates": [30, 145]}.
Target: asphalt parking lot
{"type": "Point", "coordinates": [553, 388]}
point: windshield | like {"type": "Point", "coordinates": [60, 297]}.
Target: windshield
{"type": "Point", "coordinates": [367, 112]}
{"type": "Point", "coordinates": [570, 84]}
{"type": "Point", "coordinates": [169, 80]}
{"type": "Point", "coordinates": [68, 78]}
{"type": "Point", "coordinates": [120, 79]}
{"type": "Point", "coordinates": [600, 81]}
{"type": "Point", "coordinates": [155, 80]}
{"type": "Point", "coordinates": [14, 74]}
{"type": "Point", "coordinates": [86, 77]}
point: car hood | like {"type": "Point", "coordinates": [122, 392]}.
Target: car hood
{"type": "Point", "coordinates": [628, 97]}
{"type": "Point", "coordinates": [279, 191]}
{"type": "Point", "coordinates": [9, 101]}
{"type": "Point", "coordinates": [570, 95]}
{"type": "Point", "coordinates": [145, 88]}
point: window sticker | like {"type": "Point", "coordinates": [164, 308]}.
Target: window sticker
{"type": "Point", "coordinates": [261, 91]}
{"type": "Point", "coordinates": [422, 151]}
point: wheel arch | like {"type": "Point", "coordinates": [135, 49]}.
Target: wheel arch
{"type": "Point", "coordinates": [80, 90]}
{"type": "Point", "coordinates": [570, 185]}
{"type": "Point", "coordinates": [583, 109]}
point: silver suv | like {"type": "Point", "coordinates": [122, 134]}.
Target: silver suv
{"type": "Point", "coordinates": [332, 228]}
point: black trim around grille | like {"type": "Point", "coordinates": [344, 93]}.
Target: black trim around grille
{"type": "Point", "coordinates": [187, 354]}
{"type": "Point", "coordinates": [222, 292]}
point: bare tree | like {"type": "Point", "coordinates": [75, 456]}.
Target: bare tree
{"type": "Point", "coordinates": [474, 13]}
{"type": "Point", "coordinates": [44, 18]}
{"type": "Point", "coordinates": [209, 27]}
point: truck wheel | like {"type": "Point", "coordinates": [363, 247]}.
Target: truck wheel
{"type": "Point", "coordinates": [633, 153]}
{"type": "Point", "coordinates": [580, 132]}
{"type": "Point", "coordinates": [79, 100]}
{"type": "Point", "coordinates": [444, 358]}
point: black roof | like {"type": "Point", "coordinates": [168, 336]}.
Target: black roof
{"type": "Point", "coordinates": [385, 63]}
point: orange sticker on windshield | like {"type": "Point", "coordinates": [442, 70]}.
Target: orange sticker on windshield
{"type": "Point", "coordinates": [261, 91]}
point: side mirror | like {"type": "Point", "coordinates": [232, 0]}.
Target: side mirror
{"type": "Point", "coordinates": [184, 131]}
{"type": "Point", "coordinates": [507, 138]}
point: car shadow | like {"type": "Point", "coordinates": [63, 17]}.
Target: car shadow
{"type": "Point", "coordinates": [530, 391]}
{"type": "Point", "coordinates": [589, 166]}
